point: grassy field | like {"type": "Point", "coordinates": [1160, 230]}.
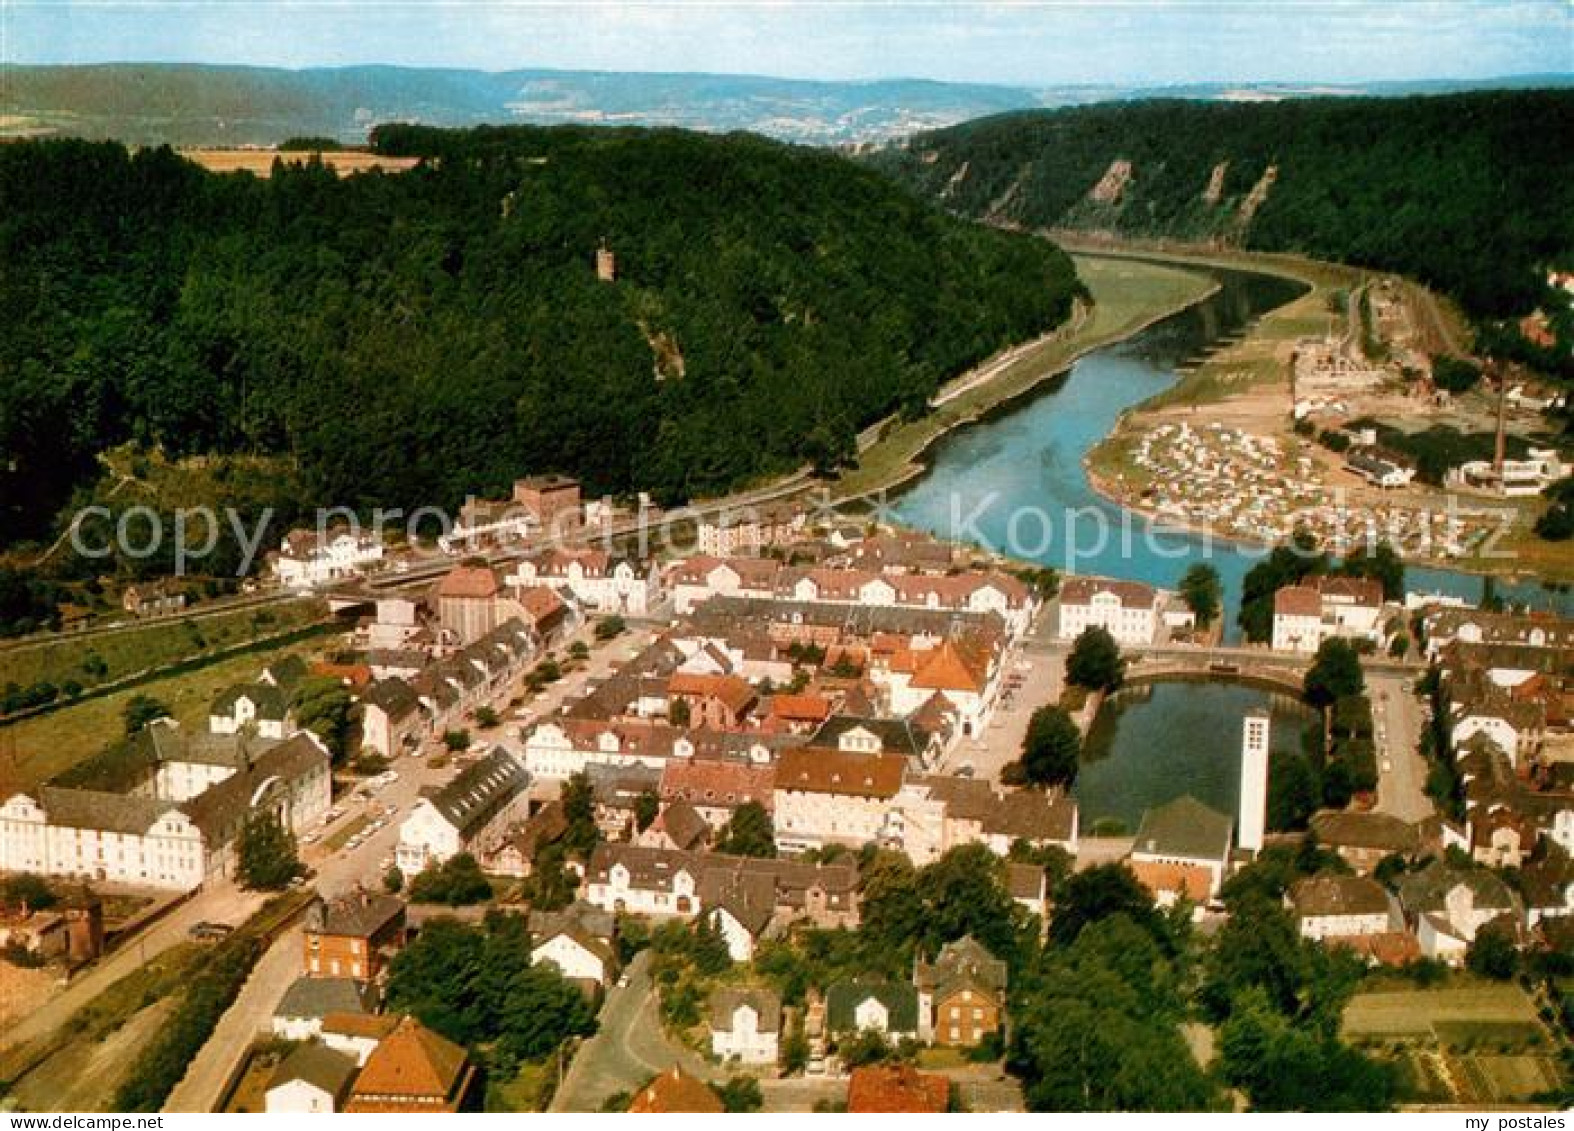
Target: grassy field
{"type": "Point", "coordinates": [1128, 294]}
{"type": "Point", "coordinates": [37, 749]}
{"type": "Point", "coordinates": [1460, 1016]}
{"type": "Point", "coordinates": [108, 656]}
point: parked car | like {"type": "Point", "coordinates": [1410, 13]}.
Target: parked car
{"type": "Point", "coordinates": [209, 932]}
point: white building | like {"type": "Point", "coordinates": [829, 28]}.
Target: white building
{"type": "Point", "coordinates": [578, 955]}
{"type": "Point", "coordinates": [1182, 850]}
{"type": "Point", "coordinates": [1307, 614]}
{"type": "Point", "coordinates": [312, 1080]}
{"type": "Point", "coordinates": [1127, 610]}
{"type": "Point", "coordinates": [745, 1025]}
{"type": "Point", "coordinates": [260, 707]}
{"type": "Point", "coordinates": [1253, 816]}
{"type": "Point", "coordinates": [1342, 907]}
{"type": "Point", "coordinates": [307, 558]}
{"type": "Point", "coordinates": [179, 822]}
{"type": "Point", "coordinates": [469, 814]}
{"type": "Point", "coordinates": [598, 582]}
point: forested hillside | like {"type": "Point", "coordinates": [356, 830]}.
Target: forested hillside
{"type": "Point", "coordinates": [412, 337]}
{"type": "Point", "coordinates": [1473, 193]}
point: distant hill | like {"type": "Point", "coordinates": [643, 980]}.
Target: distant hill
{"type": "Point", "coordinates": [198, 105]}
{"type": "Point", "coordinates": [192, 105]}
{"type": "Point", "coordinates": [1473, 193]}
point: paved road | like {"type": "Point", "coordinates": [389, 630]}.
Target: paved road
{"type": "Point", "coordinates": [201, 1089]}
{"type": "Point", "coordinates": [1402, 771]}
{"type": "Point", "coordinates": [630, 1046]}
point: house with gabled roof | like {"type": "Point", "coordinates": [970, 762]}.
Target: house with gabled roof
{"type": "Point", "coordinates": [413, 1070]}
{"type": "Point", "coordinates": [260, 708]}
{"type": "Point", "coordinates": [352, 935]}
{"type": "Point", "coordinates": [1127, 610]}
{"type": "Point", "coordinates": [675, 1091]}
{"type": "Point", "coordinates": [897, 1089]}
{"type": "Point", "coordinates": [858, 1005]}
{"type": "Point", "coordinates": [1182, 850]}
{"type": "Point", "coordinates": [470, 814]}
{"type": "Point", "coordinates": [745, 1024]}
{"type": "Point", "coordinates": [961, 994]}
{"type": "Point", "coordinates": [1448, 906]}
{"type": "Point", "coordinates": [300, 1012]}
{"type": "Point", "coordinates": [312, 1080]}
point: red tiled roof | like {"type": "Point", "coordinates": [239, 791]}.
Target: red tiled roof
{"type": "Point", "coordinates": [676, 1091]}
{"type": "Point", "coordinates": [801, 708]}
{"type": "Point", "coordinates": [1191, 880]}
{"type": "Point", "coordinates": [414, 1062]}
{"type": "Point", "coordinates": [734, 693]}
{"type": "Point", "coordinates": [820, 770]}
{"type": "Point", "coordinates": [468, 581]}
{"type": "Point", "coordinates": [897, 1088]}
{"type": "Point", "coordinates": [708, 781]}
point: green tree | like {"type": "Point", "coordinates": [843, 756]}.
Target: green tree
{"type": "Point", "coordinates": [266, 854]}
{"type": "Point", "coordinates": [1051, 748]}
{"type": "Point", "coordinates": [456, 740]}
{"type": "Point", "coordinates": [749, 832]}
{"type": "Point", "coordinates": [457, 882]}
{"type": "Point", "coordinates": [579, 808]}
{"type": "Point", "coordinates": [393, 880]}
{"type": "Point", "coordinates": [140, 710]}
{"type": "Point", "coordinates": [1098, 893]}
{"type": "Point", "coordinates": [1492, 953]}
{"type": "Point", "coordinates": [741, 1094]}
{"type": "Point", "coordinates": [1095, 661]}
{"type": "Point", "coordinates": [1380, 563]}
{"type": "Point", "coordinates": [1203, 593]}
{"type": "Point", "coordinates": [486, 717]}
{"type": "Point", "coordinates": [1335, 673]}
{"type": "Point", "coordinates": [323, 706]}
{"type": "Point", "coordinates": [27, 889]}
{"type": "Point", "coordinates": [610, 628]}
{"type": "Point", "coordinates": [647, 807]}
{"type": "Point", "coordinates": [679, 713]}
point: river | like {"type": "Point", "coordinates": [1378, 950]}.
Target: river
{"type": "Point", "coordinates": [1015, 479]}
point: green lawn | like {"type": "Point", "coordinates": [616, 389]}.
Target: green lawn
{"type": "Point", "coordinates": [1489, 1012]}
{"type": "Point", "coordinates": [108, 656]}
{"type": "Point", "coordinates": [37, 749]}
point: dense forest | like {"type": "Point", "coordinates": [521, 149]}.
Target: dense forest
{"type": "Point", "coordinates": [408, 338]}
{"type": "Point", "coordinates": [1472, 193]}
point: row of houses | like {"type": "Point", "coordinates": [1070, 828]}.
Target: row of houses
{"type": "Point", "coordinates": [700, 578]}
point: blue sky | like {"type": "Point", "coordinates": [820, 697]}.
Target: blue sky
{"type": "Point", "coordinates": [1026, 42]}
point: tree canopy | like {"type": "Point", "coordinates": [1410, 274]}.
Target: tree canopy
{"type": "Point", "coordinates": [1095, 661]}
{"type": "Point", "coordinates": [409, 338]}
{"type": "Point", "coordinates": [1051, 747]}
{"type": "Point", "coordinates": [1463, 191]}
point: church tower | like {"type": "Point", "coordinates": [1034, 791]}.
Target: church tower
{"type": "Point", "coordinates": [1253, 816]}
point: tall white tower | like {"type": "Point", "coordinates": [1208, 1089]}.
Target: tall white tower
{"type": "Point", "coordinates": [1254, 780]}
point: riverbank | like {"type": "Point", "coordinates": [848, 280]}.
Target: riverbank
{"type": "Point", "coordinates": [1129, 295]}
{"type": "Point", "coordinates": [1243, 386]}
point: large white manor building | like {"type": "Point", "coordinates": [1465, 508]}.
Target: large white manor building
{"type": "Point", "coordinates": [168, 814]}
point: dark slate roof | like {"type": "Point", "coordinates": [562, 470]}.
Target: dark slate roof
{"type": "Point", "coordinates": [226, 803]}
{"type": "Point", "coordinates": [843, 999]}
{"type": "Point", "coordinates": [286, 673]}
{"type": "Point", "coordinates": [897, 736]}
{"type": "Point", "coordinates": [359, 914]}
{"type": "Point", "coordinates": [966, 959]}
{"type": "Point", "coordinates": [271, 702]}
{"type": "Point", "coordinates": [318, 997]}
{"type": "Point", "coordinates": [94, 809]}
{"type": "Point", "coordinates": [726, 1002]}
{"type": "Point", "coordinates": [480, 791]}
{"type": "Point", "coordinates": [318, 1065]}
{"type": "Point", "coordinates": [394, 697]}
{"type": "Point", "coordinates": [1338, 895]}
{"type": "Point", "coordinates": [1185, 828]}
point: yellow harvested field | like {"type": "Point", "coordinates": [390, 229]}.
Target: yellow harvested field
{"type": "Point", "coordinates": [260, 161]}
